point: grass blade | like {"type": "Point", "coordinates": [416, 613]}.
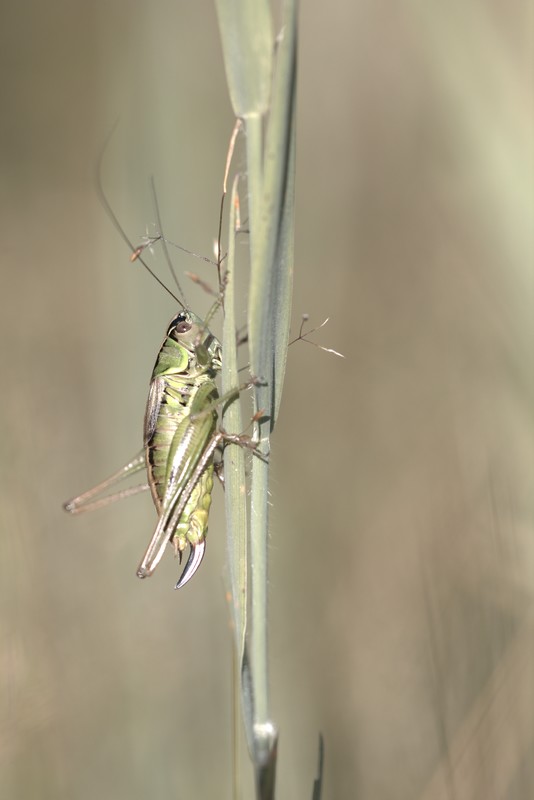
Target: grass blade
{"type": "Point", "coordinates": [247, 40]}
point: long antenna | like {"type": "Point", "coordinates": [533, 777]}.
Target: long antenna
{"type": "Point", "coordinates": [164, 241]}
{"type": "Point", "coordinates": [136, 251]}
{"type": "Point", "coordinates": [160, 237]}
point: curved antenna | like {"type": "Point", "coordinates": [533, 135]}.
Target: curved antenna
{"type": "Point", "coordinates": [219, 255]}
{"type": "Point", "coordinates": [136, 251]}
{"type": "Point", "coordinates": [150, 240]}
{"type": "Point", "coordinates": [164, 241]}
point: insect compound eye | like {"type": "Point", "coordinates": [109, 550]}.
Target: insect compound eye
{"type": "Point", "coordinates": [183, 323]}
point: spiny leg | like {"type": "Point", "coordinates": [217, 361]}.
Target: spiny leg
{"type": "Point", "coordinates": [196, 553]}
{"type": "Point", "coordinates": [85, 502]}
{"type": "Point", "coordinates": [227, 397]}
{"type": "Point", "coordinates": [170, 517]}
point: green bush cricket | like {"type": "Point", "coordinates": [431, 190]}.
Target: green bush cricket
{"type": "Point", "coordinates": [180, 428]}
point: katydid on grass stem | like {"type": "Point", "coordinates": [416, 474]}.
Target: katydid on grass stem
{"type": "Point", "coordinates": [181, 436]}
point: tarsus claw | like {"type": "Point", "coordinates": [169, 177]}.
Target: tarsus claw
{"type": "Point", "coordinates": [196, 554]}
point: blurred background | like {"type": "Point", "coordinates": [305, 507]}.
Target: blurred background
{"type": "Point", "coordinates": [402, 571]}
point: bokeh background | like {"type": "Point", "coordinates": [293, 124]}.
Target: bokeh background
{"type": "Point", "coordinates": [402, 553]}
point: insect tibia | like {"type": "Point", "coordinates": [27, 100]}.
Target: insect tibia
{"type": "Point", "coordinates": [96, 498]}
{"type": "Point", "coordinates": [245, 440]}
{"type": "Point", "coordinates": [227, 397]}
